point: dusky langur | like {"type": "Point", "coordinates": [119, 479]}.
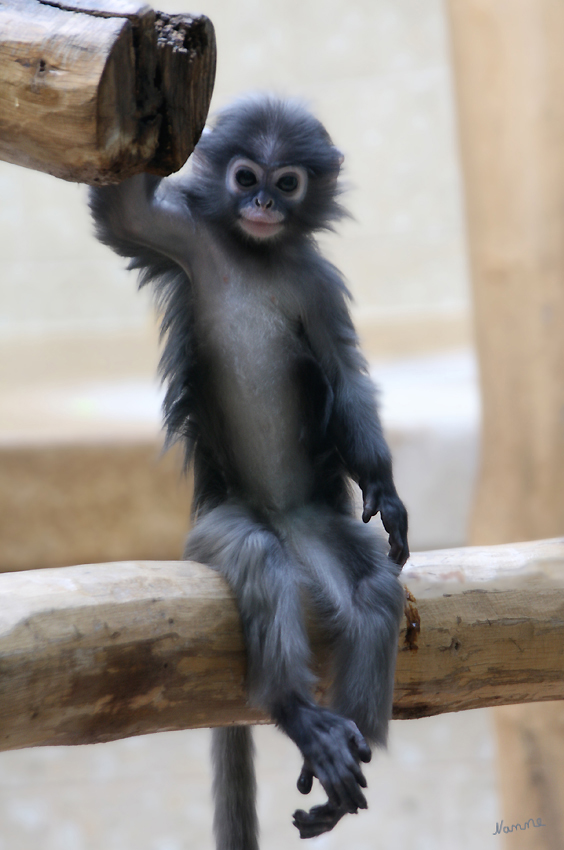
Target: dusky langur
{"type": "Point", "coordinates": [269, 393]}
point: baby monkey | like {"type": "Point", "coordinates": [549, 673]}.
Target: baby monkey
{"type": "Point", "coordinates": [269, 393]}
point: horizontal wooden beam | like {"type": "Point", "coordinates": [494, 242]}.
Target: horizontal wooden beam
{"type": "Point", "coordinates": [492, 628]}
{"type": "Point", "coordinates": [99, 652]}
{"type": "Point", "coordinates": [97, 90]}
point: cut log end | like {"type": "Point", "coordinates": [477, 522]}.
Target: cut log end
{"type": "Point", "coordinates": [98, 91]}
{"type": "Point", "coordinates": [185, 54]}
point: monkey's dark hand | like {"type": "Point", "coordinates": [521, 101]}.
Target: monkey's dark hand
{"type": "Point", "coordinates": [393, 514]}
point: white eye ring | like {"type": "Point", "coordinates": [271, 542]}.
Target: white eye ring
{"type": "Point", "coordinates": [242, 164]}
{"type": "Point", "coordinates": [296, 171]}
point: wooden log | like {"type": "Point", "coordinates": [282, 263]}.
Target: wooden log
{"type": "Point", "coordinates": [509, 73]}
{"type": "Point", "coordinates": [95, 653]}
{"type": "Point", "coordinates": [97, 90]}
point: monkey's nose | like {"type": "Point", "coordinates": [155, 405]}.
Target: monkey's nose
{"type": "Point", "coordinates": [263, 202]}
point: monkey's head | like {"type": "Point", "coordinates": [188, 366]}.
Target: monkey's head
{"type": "Point", "coordinates": [267, 171]}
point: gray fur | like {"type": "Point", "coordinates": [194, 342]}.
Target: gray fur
{"type": "Point", "coordinates": [270, 394]}
{"type": "Point", "coordinates": [234, 789]}
{"type": "Point", "coordinates": [309, 552]}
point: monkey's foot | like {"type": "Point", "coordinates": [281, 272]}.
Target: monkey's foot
{"type": "Point", "coordinates": [318, 820]}
{"type": "Point", "coordinates": [333, 750]}
{"type": "Point", "coordinates": [332, 747]}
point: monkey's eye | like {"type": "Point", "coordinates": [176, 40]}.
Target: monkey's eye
{"type": "Point", "coordinates": [245, 178]}
{"type": "Point", "coordinates": [288, 183]}
{"type": "Point", "coordinates": [291, 180]}
{"type": "Point", "coordinates": [243, 175]}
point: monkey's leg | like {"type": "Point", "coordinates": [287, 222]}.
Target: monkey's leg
{"type": "Point", "coordinates": [364, 673]}
{"type": "Point", "coordinates": [266, 581]}
{"type": "Point", "coordinates": [355, 587]}
{"type": "Point", "coordinates": [367, 640]}
{"type": "Point", "coordinates": [252, 560]}
{"type": "Point", "coordinates": [234, 789]}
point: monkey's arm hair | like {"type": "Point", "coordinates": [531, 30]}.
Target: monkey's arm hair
{"type": "Point", "coordinates": [354, 424]}
{"type": "Point", "coordinates": [143, 214]}
{"type": "Point", "coordinates": [146, 218]}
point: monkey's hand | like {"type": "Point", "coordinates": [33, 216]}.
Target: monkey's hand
{"type": "Point", "coordinates": [393, 514]}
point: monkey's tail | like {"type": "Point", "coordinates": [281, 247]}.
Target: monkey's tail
{"type": "Point", "coordinates": [234, 789]}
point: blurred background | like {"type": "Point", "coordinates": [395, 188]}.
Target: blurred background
{"type": "Point", "coordinates": [82, 479]}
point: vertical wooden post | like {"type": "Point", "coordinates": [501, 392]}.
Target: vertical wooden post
{"type": "Point", "coordinates": [509, 73]}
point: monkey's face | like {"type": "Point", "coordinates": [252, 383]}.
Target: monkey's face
{"type": "Point", "coordinates": [267, 172]}
{"type": "Point", "coordinates": [264, 197]}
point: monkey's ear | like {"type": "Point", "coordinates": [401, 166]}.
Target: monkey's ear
{"type": "Point", "coordinates": [339, 156]}
{"type": "Point", "coordinates": [198, 160]}
{"type": "Point", "coordinates": [198, 157]}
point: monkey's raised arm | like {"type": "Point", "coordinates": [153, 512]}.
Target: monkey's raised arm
{"type": "Point", "coordinates": [147, 219]}
{"type": "Point", "coordinates": [354, 424]}
{"type": "Point", "coordinates": [143, 213]}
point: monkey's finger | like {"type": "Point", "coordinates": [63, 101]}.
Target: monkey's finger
{"type": "Point", "coordinates": [399, 550]}
{"type": "Point", "coordinates": [341, 785]}
{"type": "Point", "coordinates": [355, 801]}
{"type": "Point", "coordinates": [351, 795]}
{"type": "Point", "coordinates": [305, 780]}
{"type": "Point", "coordinates": [359, 775]}
{"type": "Point", "coordinates": [359, 745]}
{"type": "Point", "coordinates": [370, 508]}
{"type": "Point", "coordinates": [331, 781]}
{"type": "Point", "coordinates": [394, 520]}
{"type": "Point", "coordinates": [370, 501]}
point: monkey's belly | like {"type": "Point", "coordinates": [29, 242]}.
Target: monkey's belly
{"type": "Point", "coordinates": [252, 351]}
{"type": "Point", "coordinates": [265, 425]}
{"type": "Point", "coordinates": [264, 429]}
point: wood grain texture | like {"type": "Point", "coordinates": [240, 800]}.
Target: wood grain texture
{"type": "Point", "coordinates": [94, 653]}
{"type": "Point", "coordinates": [489, 616]}
{"type": "Point", "coordinates": [97, 91]}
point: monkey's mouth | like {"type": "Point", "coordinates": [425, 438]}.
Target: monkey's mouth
{"type": "Point", "coordinates": [262, 224]}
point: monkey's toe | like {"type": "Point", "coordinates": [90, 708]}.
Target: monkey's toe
{"type": "Point", "coordinates": [305, 779]}
{"type": "Point", "coordinates": [318, 820]}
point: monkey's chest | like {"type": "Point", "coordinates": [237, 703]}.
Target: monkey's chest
{"type": "Point", "coordinates": [254, 352]}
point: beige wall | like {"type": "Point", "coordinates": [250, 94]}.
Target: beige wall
{"type": "Point", "coordinates": [377, 73]}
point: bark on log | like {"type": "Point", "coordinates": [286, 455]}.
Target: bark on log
{"type": "Point", "coordinates": [97, 90]}
{"type": "Point", "coordinates": [99, 652]}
